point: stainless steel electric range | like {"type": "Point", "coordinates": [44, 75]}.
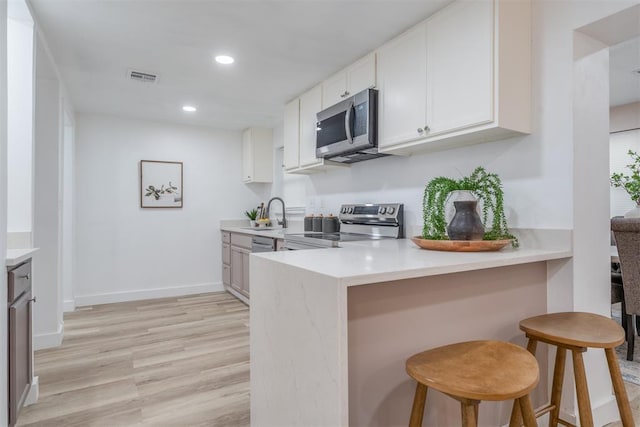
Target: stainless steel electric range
{"type": "Point", "coordinates": [357, 222]}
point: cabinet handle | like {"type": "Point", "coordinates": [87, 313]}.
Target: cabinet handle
{"type": "Point", "coordinates": [33, 300]}
{"type": "Point", "coordinates": [426, 128]}
{"type": "Point", "coordinates": [346, 93]}
{"type": "Point", "coordinates": [26, 276]}
{"type": "Point", "coordinates": [420, 130]}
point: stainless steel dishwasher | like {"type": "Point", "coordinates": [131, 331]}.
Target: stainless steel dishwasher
{"type": "Point", "coordinates": [263, 244]}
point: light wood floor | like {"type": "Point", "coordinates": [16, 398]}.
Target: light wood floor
{"type": "Point", "coordinates": [167, 362]}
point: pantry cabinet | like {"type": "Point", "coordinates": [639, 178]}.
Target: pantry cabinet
{"type": "Point", "coordinates": [257, 155]}
{"type": "Point", "coordinates": [470, 67]}
{"type": "Point", "coordinates": [357, 77]}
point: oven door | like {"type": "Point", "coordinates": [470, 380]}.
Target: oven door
{"type": "Point", "coordinates": [348, 126]}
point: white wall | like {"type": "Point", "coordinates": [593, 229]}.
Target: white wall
{"type": "Point", "coordinates": [625, 117]}
{"type": "Point", "coordinates": [3, 208]}
{"type": "Point", "coordinates": [125, 252]}
{"type": "Point", "coordinates": [48, 324]}
{"type": "Point", "coordinates": [68, 211]}
{"type": "Point", "coordinates": [20, 125]}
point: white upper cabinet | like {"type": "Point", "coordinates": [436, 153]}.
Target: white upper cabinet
{"type": "Point", "coordinates": [257, 155]}
{"type": "Point", "coordinates": [310, 105]}
{"type": "Point", "coordinates": [460, 67]}
{"type": "Point", "coordinates": [471, 78]}
{"type": "Point", "coordinates": [402, 85]}
{"type": "Point", "coordinates": [292, 135]}
{"type": "Point", "coordinates": [357, 77]}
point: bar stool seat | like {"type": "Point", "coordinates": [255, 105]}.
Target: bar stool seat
{"type": "Point", "coordinates": [577, 331]}
{"type": "Point", "coordinates": [473, 371]}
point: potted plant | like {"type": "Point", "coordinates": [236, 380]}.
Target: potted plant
{"type": "Point", "coordinates": [486, 187]}
{"type": "Point", "coordinates": [630, 184]}
{"type": "Point", "coordinates": [252, 215]}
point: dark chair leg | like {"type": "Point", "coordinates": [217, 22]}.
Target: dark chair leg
{"type": "Point", "coordinates": [630, 336]}
{"type": "Point", "coordinates": [623, 316]}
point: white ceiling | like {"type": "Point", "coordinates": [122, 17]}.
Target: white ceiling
{"type": "Point", "coordinates": [281, 49]}
{"type": "Point", "coordinates": [624, 83]}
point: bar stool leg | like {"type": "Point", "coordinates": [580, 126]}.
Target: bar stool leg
{"type": "Point", "coordinates": [619, 389]}
{"type": "Point", "coordinates": [516, 418]}
{"type": "Point", "coordinates": [556, 388]}
{"type": "Point", "coordinates": [582, 391]}
{"type": "Point", "coordinates": [527, 411]}
{"type": "Point", "coordinates": [417, 412]}
{"type": "Point", "coordinates": [469, 413]}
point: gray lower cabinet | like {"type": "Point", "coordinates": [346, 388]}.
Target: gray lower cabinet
{"type": "Point", "coordinates": [20, 337]}
{"type": "Point", "coordinates": [240, 269]}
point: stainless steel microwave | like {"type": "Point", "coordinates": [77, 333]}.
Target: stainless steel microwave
{"type": "Point", "coordinates": [347, 132]}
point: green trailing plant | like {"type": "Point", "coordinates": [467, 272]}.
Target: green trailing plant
{"type": "Point", "coordinates": [486, 187]}
{"type": "Point", "coordinates": [631, 184]}
{"type": "Point", "coordinates": [252, 214]}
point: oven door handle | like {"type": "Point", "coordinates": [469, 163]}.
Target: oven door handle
{"type": "Point", "coordinates": [347, 122]}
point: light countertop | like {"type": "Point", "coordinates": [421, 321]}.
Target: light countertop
{"type": "Point", "coordinates": [275, 233]}
{"type": "Point", "coordinates": [16, 256]}
{"type": "Point", "coordinates": [358, 263]}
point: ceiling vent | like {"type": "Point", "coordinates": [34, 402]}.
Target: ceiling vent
{"type": "Point", "coordinates": [141, 76]}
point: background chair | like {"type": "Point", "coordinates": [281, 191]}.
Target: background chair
{"type": "Point", "coordinates": [627, 236]}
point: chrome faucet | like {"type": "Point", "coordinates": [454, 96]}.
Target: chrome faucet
{"type": "Point", "coordinates": [283, 223]}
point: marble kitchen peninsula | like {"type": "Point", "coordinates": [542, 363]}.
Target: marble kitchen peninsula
{"type": "Point", "coordinates": [332, 328]}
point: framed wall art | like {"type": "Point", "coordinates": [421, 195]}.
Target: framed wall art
{"type": "Point", "coordinates": [160, 184]}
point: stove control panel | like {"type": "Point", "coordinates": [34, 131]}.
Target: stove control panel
{"type": "Point", "coordinates": [383, 213]}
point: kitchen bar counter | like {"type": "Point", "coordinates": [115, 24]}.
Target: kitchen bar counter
{"type": "Point", "coordinates": [366, 262]}
{"type": "Point", "coordinates": [331, 328]}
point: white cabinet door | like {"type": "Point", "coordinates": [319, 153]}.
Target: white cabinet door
{"type": "Point", "coordinates": [361, 75]}
{"type": "Point", "coordinates": [292, 135]}
{"type": "Point", "coordinates": [460, 58]}
{"type": "Point", "coordinates": [334, 89]}
{"type": "Point", "coordinates": [247, 156]}
{"type": "Point", "coordinates": [402, 82]}
{"type": "Point", "coordinates": [237, 270]}
{"type": "Point", "coordinates": [357, 77]}
{"type": "Point", "coordinates": [310, 105]}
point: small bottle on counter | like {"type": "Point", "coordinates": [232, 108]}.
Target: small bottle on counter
{"type": "Point", "coordinates": [317, 223]}
{"type": "Point", "coordinates": [308, 222]}
{"type": "Point", "coordinates": [330, 224]}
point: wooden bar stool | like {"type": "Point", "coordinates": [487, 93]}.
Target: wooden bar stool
{"type": "Point", "coordinates": [473, 371]}
{"type": "Point", "coordinates": [576, 332]}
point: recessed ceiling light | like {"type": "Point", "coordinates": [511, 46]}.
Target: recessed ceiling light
{"type": "Point", "coordinates": [224, 59]}
{"type": "Point", "coordinates": [189, 108]}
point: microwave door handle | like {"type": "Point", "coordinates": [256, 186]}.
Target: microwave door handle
{"type": "Point", "coordinates": [347, 123]}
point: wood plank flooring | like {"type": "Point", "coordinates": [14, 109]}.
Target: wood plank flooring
{"type": "Point", "coordinates": [166, 362]}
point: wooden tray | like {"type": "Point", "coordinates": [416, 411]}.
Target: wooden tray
{"type": "Point", "coordinates": [460, 245]}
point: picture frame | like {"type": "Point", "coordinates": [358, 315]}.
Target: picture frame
{"type": "Point", "coordinates": [161, 184]}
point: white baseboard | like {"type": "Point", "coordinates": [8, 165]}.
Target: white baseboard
{"type": "Point", "coordinates": [68, 305]}
{"type": "Point", "coordinates": [34, 392]}
{"type": "Point", "coordinates": [142, 294]}
{"type": "Point", "coordinates": [54, 339]}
